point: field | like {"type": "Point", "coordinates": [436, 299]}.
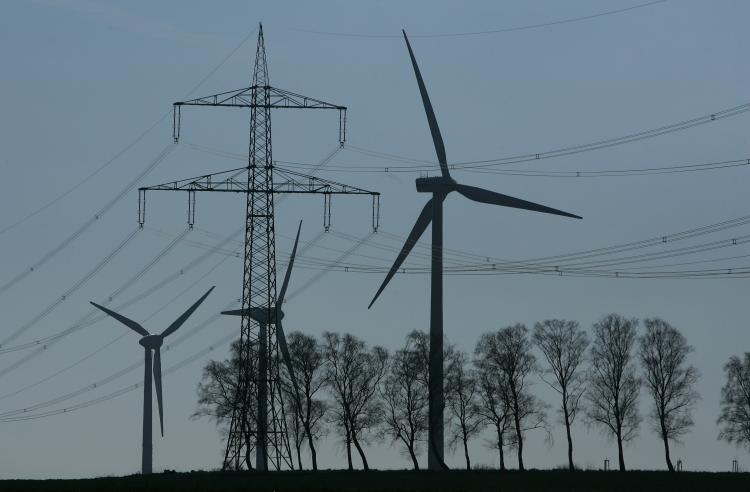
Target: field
{"type": "Point", "coordinates": [483, 480]}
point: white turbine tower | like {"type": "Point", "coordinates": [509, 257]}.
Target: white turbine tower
{"type": "Point", "coordinates": [433, 213]}
{"type": "Point", "coordinates": [152, 343]}
{"type": "Point", "coordinates": [265, 316]}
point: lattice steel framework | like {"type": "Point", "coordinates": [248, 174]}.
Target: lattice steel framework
{"type": "Point", "coordinates": [258, 425]}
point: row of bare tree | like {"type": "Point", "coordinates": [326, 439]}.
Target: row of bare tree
{"type": "Point", "coordinates": [364, 394]}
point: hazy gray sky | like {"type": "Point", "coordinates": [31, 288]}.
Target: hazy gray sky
{"type": "Point", "coordinates": [82, 79]}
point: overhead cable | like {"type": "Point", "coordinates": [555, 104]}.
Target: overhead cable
{"type": "Point", "coordinates": [86, 225]}
{"type": "Point", "coordinates": [71, 290]}
{"type": "Point", "coordinates": [127, 147]}
{"type": "Point", "coordinates": [526, 27]}
{"type": "Point", "coordinates": [83, 321]}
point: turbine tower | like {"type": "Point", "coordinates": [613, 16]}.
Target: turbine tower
{"type": "Point", "coordinates": [432, 212]}
{"type": "Point", "coordinates": [266, 316]}
{"type": "Point", "coordinates": [152, 343]}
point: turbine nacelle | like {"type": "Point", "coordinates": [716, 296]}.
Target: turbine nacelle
{"type": "Point", "coordinates": [152, 342]}
{"type": "Point", "coordinates": [436, 184]}
{"type": "Point", "coordinates": [262, 315]}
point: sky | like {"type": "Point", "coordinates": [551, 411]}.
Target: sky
{"type": "Point", "coordinates": [88, 87]}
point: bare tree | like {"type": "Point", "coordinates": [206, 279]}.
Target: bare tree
{"type": "Point", "coordinates": [613, 385]}
{"type": "Point", "coordinates": [669, 380]}
{"type": "Point", "coordinates": [508, 352]}
{"type": "Point", "coordinates": [564, 344]}
{"type": "Point", "coordinates": [293, 416]}
{"type": "Point", "coordinates": [461, 396]}
{"type": "Point", "coordinates": [218, 393]}
{"type": "Point", "coordinates": [353, 374]}
{"type": "Point", "coordinates": [492, 405]}
{"type": "Point", "coordinates": [406, 399]}
{"type": "Point", "coordinates": [421, 343]}
{"type": "Point", "coordinates": [309, 369]}
{"type": "Point", "coordinates": [734, 419]}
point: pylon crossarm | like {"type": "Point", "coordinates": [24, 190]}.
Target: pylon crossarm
{"type": "Point", "coordinates": [243, 98]}
{"type": "Point", "coordinates": [285, 181]}
{"type": "Point", "coordinates": [285, 99]}
{"type": "Point", "coordinates": [235, 98]}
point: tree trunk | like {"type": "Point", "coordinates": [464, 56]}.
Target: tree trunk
{"type": "Point", "coordinates": [349, 449]}
{"type": "Point", "coordinates": [313, 454]}
{"type": "Point", "coordinates": [308, 430]}
{"type": "Point", "coordinates": [299, 455]}
{"type": "Point", "coordinates": [519, 439]}
{"type": "Point", "coordinates": [500, 444]}
{"type": "Point", "coordinates": [466, 453]}
{"type": "Point", "coordinates": [619, 449]}
{"type": "Point", "coordinates": [570, 439]}
{"type": "Point", "coordinates": [666, 444]}
{"type": "Point", "coordinates": [413, 456]}
{"type": "Point", "coordinates": [360, 451]}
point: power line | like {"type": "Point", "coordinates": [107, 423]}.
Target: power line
{"type": "Point", "coordinates": [606, 250]}
{"type": "Point", "coordinates": [412, 165]}
{"type": "Point", "coordinates": [608, 173]}
{"type": "Point", "coordinates": [117, 374]}
{"type": "Point", "coordinates": [568, 20]}
{"type": "Point", "coordinates": [87, 320]}
{"type": "Point", "coordinates": [647, 171]}
{"type": "Point", "coordinates": [126, 148]}
{"type": "Point", "coordinates": [572, 260]}
{"type": "Point", "coordinates": [97, 216]}
{"type": "Point", "coordinates": [82, 322]}
{"type": "Point", "coordinates": [520, 267]}
{"type": "Point", "coordinates": [195, 262]}
{"type": "Point", "coordinates": [580, 148]}
{"type": "Point", "coordinates": [71, 290]}
{"type": "Point", "coordinates": [154, 288]}
{"type": "Point", "coordinates": [20, 414]}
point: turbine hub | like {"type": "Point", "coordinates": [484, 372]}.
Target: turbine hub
{"type": "Point", "coordinates": [152, 341]}
{"type": "Point", "coordinates": [436, 184]}
{"type": "Point", "coordinates": [262, 315]}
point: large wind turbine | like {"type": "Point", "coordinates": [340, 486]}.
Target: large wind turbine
{"type": "Point", "coordinates": [265, 316]}
{"type": "Point", "coordinates": [433, 213]}
{"type": "Point", "coordinates": [152, 343]}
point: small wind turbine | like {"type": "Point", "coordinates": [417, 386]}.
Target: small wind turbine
{"type": "Point", "coordinates": [265, 316]}
{"type": "Point", "coordinates": [433, 213]}
{"type": "Point", "coordinates": [152, 343]}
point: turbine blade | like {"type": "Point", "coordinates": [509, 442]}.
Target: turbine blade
{"type": "Point", "coordinates": [424, 219]}
{"type": "Point", "coordinates": [179, 321]}
{"type": "Point", "coordinates": [493, 198]}
{"type": "Point", "coordinates": [437, 138]}
{"type": "Point", "coordinates": [235, 312]}
{"type": "Point", "coordinates": [288, 274]}
{"type": "Point", "coordinates": [288, 361]}
{"type": "Point", "coordinates": [157, 385]}
{"type": "Point", "coordinates": [136, 327]}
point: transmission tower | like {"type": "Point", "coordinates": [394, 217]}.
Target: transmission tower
{"type": "Point", "coordinates": [258, 425]}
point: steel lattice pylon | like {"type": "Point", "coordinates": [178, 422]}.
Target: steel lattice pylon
{"type": "Point", "coordinates": [258, 425]}
{"type": "Point", "coordinates": [259, 272]}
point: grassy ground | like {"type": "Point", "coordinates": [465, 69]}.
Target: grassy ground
{"type": "Point", "coordinates": [399, 481]}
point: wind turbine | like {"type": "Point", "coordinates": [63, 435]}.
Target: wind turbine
{"type": "Point", "coordinates": [432, 212]}
{"type": "Point", "coordinates": [152, 343]}
{"type": "Point", "coordinates": [265, 316]}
